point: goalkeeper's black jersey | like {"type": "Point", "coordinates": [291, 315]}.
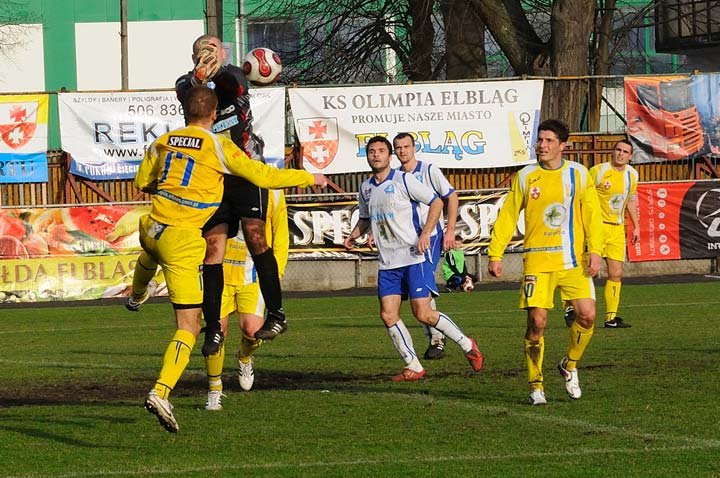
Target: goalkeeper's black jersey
{"type": "Point", "coordinates": [234, 118]}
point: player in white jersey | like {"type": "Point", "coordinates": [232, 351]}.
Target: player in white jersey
{"type": "Point", "coordinates": [387, 202]}
{"type": "Point", "coordinates": [441, 240]}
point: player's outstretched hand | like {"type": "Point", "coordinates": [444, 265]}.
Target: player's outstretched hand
{"type": "Point", "coordinates": [207, 63]}
{"type": "Point", "coordinates": [495, 268]}
{"type": "Point", "coordinates": [320, 180]}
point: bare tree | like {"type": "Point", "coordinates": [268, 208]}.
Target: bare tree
{"type": "Point", "coordinates": [13, 13]}
{"type": "Point", "coordinates": [351, 41]}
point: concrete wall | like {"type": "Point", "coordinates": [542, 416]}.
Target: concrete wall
{"type": "Point", "coordinates": [320, 275]}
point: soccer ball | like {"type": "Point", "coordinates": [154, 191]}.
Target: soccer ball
{"type": "Point", "coordinates": [468, 285]}
{"type": "Point", "coordinates": [262, 66]}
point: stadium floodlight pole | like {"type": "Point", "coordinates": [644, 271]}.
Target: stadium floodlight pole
{"type": "Point", "coordinates": [123, 45]}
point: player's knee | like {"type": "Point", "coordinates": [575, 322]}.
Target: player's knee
{"type": "Point", "coordinates": [255, 238]}
{"type": "Point", "coordinates": [585, 317]}
{"type": "Point", "coordinates": [215, 250]}
{"type": "Point", "coordinates": [389, 318]}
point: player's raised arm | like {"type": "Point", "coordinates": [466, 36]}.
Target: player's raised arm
{"type": "Point", "coordinates": [260, 174]}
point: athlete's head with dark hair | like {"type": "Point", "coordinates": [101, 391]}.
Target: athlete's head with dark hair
{"type": "Point", "coordinates": [200, 104]}
{"type": "Point", "coordinates": [558, 127]}
{"type": "Point", "coordinates": [378, 139]}
{"type": "Point", "coordinates": [626, 142]}
{"type": "Point", "coordinates": [404, 135]}
{"type": "Point", "coordinates": [378, 151]}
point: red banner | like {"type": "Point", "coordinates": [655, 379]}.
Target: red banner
{"type": "Point", "coordinates": [677, 221]}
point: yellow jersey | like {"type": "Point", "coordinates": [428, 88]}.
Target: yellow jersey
{"type": "Point", "coordinates": [185, 168]}
{"type": "Point", "coordinates": [561, 213]}
{"type": "Point", "coordinates": [614, 189]}
{"type": "Point", "coordinates": [238, 266]}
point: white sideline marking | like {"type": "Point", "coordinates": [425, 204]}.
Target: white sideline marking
{"type": "Point", "coordinates": [389, 460]}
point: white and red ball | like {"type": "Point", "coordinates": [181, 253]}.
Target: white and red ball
{"type": "Point", "coordinates": [468, 285]}
{"type": "Point", "coordinates": [262, 66]}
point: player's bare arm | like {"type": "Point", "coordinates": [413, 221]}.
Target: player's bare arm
{"type": "Point", "coordinates": [359, 229]}
{"type": "Point", "coordinates": [452, 202]}
{"type": "Point", "coordinates": [632, 209]}
{"type": "Point", "coordinates": [432, 219]}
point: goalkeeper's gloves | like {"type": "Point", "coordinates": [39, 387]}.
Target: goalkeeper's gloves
{"type": "Point", "coordinates": [207, 63]}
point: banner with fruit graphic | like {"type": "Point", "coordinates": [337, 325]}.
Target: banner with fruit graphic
{"type": "Point", "coordinates": [70, 253]}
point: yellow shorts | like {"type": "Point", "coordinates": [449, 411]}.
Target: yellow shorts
{"type": "Point", "coordinates": [180, 252]}
{"type": "Point", "coordinates": [245, 299]}
{"type": "Point", "coordinates": [538, 290]}
{"type": "Point", "coordinates": [614, 247]}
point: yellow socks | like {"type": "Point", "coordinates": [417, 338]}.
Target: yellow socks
{"type": "Point", "coordinates": [534, 352]}
{"type": "Point", "coordinates": [579, 338]}
{"type": "Point", "coordinates": [214, 366]}
{"type": "Point", "coordinates": [176, 358]}
{"type": "Point", "coordinates": [612, 299]}
{"type": "Point", "coordinates": [143, 275]}
{"type": "Point", "coordinates": [248, 346]}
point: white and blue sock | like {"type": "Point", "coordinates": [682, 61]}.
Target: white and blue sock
{"type": "Point", "coordinates": [401, 339]}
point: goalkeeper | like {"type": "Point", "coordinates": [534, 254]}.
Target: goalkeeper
{"type": "Point", "coordinates": [454, 270]}
{"type": "Point", "coordinates": [242, 201]}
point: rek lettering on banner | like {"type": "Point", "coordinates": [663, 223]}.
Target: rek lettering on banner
{"type": "Point", "coordinates": [107, 134]}
{"type": "Point", "coordinates": [455, 125]}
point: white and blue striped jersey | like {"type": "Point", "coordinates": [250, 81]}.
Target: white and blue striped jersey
{"type": "Point", "coordinates": [391, 208]}
{"type": "Point", "coordinates": [432, 177]}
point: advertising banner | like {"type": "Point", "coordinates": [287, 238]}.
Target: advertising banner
{"type": "Point", "coordinates": [671, 118]}
{"type": "Point", "coordinates": [456, 125]}
{"type": "Point", "coordinates": [89, 252]}
{"type": "Point", "coordinates": [24, 134]}
{"type": "Point", "coordinates": [319, 229]}
{"type": "Point", "coordinates": [69, 253]}
{"type": "Point", "coordinates": [677, 221]}
{"type": "Point", "coordinates": [107, 134]}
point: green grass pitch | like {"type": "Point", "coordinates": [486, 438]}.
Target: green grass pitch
{"type": "Point", "coordinates": [73, 381]}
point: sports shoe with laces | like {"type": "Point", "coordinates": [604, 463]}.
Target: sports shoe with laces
{"type": "Point", "coordinates": [616, 323]}
{"type": "Point", "coordinates": [408, 375]}
{"type": "Point", "coordinates": [436, 349]}
{"type": "Point", "coordinates": [162, 409]}
{"type": "Point", "coordinates": [133, 304]}
{"type": "Point", "coordinates": [572, 383]}
{"type": "Point", "coordinates": [214, 400]}
{"type": "Point", "coordinates": [213, 339]}
{"type": "Point", "coordinates": [246, 374]}
{"type": "Point", "coordinates": [569, 315]}
{"type": "Point", "coordinates": [537, 397]}
{"type": "Point", "coordinates": [475, 357]}
{"type": "Point", "coordinates": [275, 324]}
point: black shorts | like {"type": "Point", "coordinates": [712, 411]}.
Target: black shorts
{"type": "Point", "coordinates": [241, 198]}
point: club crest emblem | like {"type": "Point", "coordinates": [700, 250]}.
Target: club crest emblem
{"type": "Point", "coordinates": [319, 140]}
{"type": "Point", "coordinates": [535, 192]}
{"type": "Point", "coordinates": [18, 123]}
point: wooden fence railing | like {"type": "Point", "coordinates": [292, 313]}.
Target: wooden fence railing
{"type": "Point", "coordinates": [589, 149]}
